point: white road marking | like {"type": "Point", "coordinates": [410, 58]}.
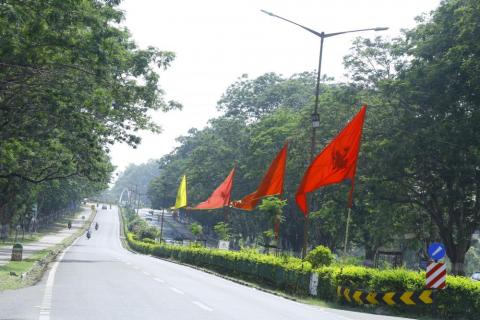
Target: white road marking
{"type": "Point", "coordinates": [176, 290]}
{"type": "Point", "coordinates": [159, 280]}
{"type": "Point", "coordinates": [202, 306]}
{"type": "Point", "coordinates": [146, 273]}
{"type": "Point", "coordinates": [46, 305]}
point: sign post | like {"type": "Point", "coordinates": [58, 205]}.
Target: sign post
{"type": "Point", "coordinates": [436, 275]}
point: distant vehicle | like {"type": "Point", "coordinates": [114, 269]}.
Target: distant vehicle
{"type": "Point", "coordinates": [104, 207]}
{"type": "Point", "coordinates": [476, 276]}
{"type": "Point", "coordinates": [150, 211]}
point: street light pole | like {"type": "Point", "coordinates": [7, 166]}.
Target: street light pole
{"type": "Point", "coordinates": [315, 115]}
{"type": "Point", "coordinates": [163, 210]}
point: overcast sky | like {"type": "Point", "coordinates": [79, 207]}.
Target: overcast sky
{"type": "Point", "coordinates": [216, 41]}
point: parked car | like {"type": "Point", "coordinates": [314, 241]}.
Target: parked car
{"type": "Point", "coordinates": [104, 207]}
{"type": "Point", "coordinates": [476, 276]}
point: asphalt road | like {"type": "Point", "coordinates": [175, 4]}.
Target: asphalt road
{"type": "Point", "coordinates": [98, 279]}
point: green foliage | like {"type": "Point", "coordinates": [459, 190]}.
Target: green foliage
{"type": "Point", "coordinates": [273, 207]}
{"type": "Point", "coordinates": [149, 240]}
{"type": "Point", "coordinates": [72, 83]}
{"type": "Point", "coordinates": [135, 178]}
{"type": "Point", "coordinates": [460, 300]}
{"type": "Point", "coordinates": [149, 233]}
{"type": "Point", "coordinates": [427, 159]}
{"type": "Point", "coordinates": [417, 170]}
{"type": "Point", "coordinates": [196, 229]}
{"type": "Point", "coordinates": [320, 256]}
{"type": "Point", "coordinates": [222, 230]}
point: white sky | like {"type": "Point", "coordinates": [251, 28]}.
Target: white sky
{"type": "Point", "coordinates": [216, 41]}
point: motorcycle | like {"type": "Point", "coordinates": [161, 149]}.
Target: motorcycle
{"type": "Point", "coordinates": [69, 225]}
{"type": "Point", "coordinates": [89, 234]}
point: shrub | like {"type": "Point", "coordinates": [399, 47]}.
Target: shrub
{"type": "Point", "coordinates": [222, 230]}
{"type": "Point", "coordinates": [320, 256]}
{"type": "Point", "coordinates": [148, 232]}
{"type": "Point", "coordinates": [148, 240]}
{"type": "Point", "coordinates": [196, 229]}
{"type": "Point", "coordinates": [459, 300]}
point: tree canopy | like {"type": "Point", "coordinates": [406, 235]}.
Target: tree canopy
{"type": "Point", "coordinates": [72, 82]}
{"type": "Point", "coordinates": [418, 175]}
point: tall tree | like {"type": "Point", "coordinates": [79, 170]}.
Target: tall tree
{"type": "Point", "coordinates": [432, 151]}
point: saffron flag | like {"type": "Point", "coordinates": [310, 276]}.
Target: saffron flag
{"type": "Point", "coordinates": [220, 197]}
{"type": "Point", "coordinates": [181, 200]}
{"type": "Point", "coordinates": [336, 163]}
{"type": "Point", "coordinates": [271, 184]}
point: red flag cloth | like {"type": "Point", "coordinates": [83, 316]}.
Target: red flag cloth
{"type": "Point", "coordinates": [336, 163]}
{"type": "Point", "coordinates": [220, 197]}
{"type": "Point", "coordinates": [271, 184]}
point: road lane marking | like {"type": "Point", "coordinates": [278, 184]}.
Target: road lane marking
{"type": "Point", "coordinates": [146, 273]}
{"type": "Point", "coordinates": [46, 304]}
{"type": "Point", "coordinates": [202, 306]}
{"type": "Point", "coordinates": [159, 280]}
{"type": "Point", "coordinates": [176, 290]}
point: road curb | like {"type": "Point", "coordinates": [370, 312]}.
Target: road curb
{"type": "Point", "coordinates": [41, 266]}
{"type": "Point", "coordinates": [235, 280]}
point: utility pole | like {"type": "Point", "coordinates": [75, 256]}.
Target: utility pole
{"type": "Point", "coordinates": [315, 115]}
{"type": "Point", "coordinates": [138, 198]}
{"type": "Point", "coordinates": [163, 210]}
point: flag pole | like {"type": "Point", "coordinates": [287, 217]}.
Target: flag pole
{"type": "Point", "coordinates": [305, 237]}
{"type": "Point", "coordinates": [346, 230]}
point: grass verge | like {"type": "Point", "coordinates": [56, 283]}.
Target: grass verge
{"type": "Point", "coordinates": [19, 274]}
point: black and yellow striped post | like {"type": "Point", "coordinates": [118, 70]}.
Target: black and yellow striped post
{"type": "Point", "coordinates": [408, 298]}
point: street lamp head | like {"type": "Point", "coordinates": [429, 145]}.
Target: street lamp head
{"type": "Point", "coordinates": [381, 29]}
{"type": "Point", "coordinates": [266, 12]}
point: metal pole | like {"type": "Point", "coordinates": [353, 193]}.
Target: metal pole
{"type": "Point", "coordinates": [346, 231]}
{"type": "Point", "coordinates": [163, 211]}
{"type": "Point", "coordinates": [313, 142]}
{"type": "Point", "coordinates": [138, 198]}
{"type": "Point", "coordinates": [322, 36]}
{"type": "Point", "coordinates": [161, 225]}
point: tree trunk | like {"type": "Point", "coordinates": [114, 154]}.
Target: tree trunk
{"type": "Point", "coordinates": [456, 253]}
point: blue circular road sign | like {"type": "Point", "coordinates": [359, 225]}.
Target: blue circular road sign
{"type": "Point", "coordinates": [436, 251]}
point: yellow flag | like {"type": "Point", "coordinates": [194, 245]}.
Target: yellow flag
{"type": "Point", "coordinates": [181, 200]}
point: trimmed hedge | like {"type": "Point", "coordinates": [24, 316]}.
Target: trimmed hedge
{"type": "Point", "coordinates": [460, 300]}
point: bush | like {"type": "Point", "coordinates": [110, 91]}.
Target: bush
{"type": "Point", "coordinates": [196, 229]}
{"type": "Point", "coordinates": [149, 241]}
{"type": "Point", "coordinates": [148, 232]}
{"type": "Point", "coordinates": [222, 230]}
{"type": "Point", "coordinates": [460, 299]}
{"type": "Point", "coordinates": [320, 256]}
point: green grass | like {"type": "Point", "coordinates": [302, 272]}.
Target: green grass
{"type": "Point", "coordinates": [34, 271]}
{"type": "Point", "coordinates": [32, 237]}
{"type": "Point", "coordinates": [8, 281]}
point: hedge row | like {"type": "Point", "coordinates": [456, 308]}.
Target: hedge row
{"type": "Point", "coordinates": [460, 300]}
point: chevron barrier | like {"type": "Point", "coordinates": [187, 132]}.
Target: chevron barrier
{"type": "Point", "coordinates": [409, 298]}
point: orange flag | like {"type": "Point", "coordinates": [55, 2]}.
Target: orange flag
{"type": "Point", "coordinates": [272, 183]}
{"type": "Point", "coordinates": [220, 197]}
{"type": "Point", "coordinates": [336, 163]}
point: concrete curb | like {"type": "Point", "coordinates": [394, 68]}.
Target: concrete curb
{"type": "Point", "coordinates": [41, 266]}
{"type": "Point", "coordinates": [126, 246]}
